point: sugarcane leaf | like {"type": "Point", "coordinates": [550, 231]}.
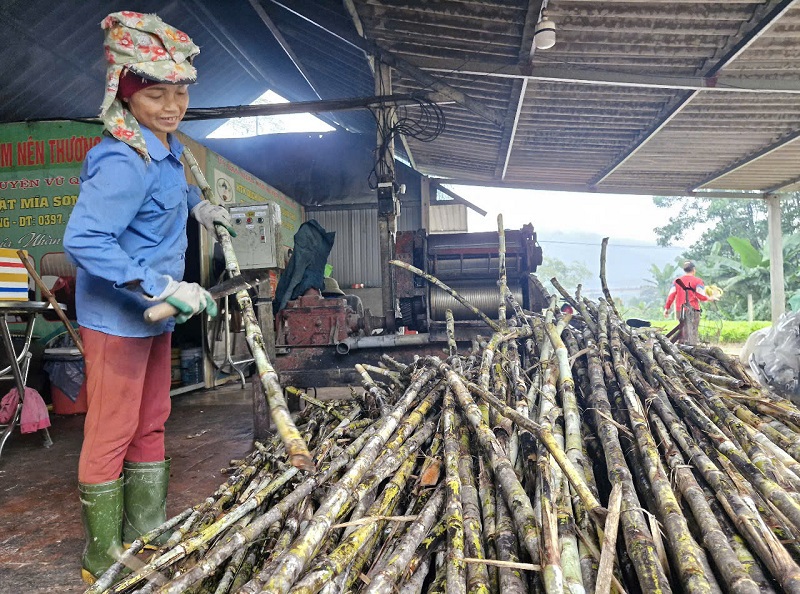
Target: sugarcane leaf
{"type": "Point", "coordinates": [749, 255]}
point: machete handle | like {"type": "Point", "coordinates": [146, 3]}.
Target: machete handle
{"type": "Point", "coordinates": [159, 312]}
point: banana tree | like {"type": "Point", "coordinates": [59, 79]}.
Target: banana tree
{"type": "Point", "coordinates": [749, 273]}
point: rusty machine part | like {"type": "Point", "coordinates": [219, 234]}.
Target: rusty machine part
{"type": "Point", "coordinates": [315, 334]}
{"type": "Point", "coordinates": [314, 320]}
{"type": "Point", "coordinates": [469, 263]}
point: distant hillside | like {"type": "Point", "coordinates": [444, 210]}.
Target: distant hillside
{"type": "Point", "coordinates": [628, 261]}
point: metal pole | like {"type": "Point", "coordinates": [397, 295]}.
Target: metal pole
{"type": "Point", "coordinates": [388, 206]}
{"type": "Point", "coordinates": [775, 240]}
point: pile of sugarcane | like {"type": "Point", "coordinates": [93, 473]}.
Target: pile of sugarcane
{"type": "Point", "coordinates": [560, 453]}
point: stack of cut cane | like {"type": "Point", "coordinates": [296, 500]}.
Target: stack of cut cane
{"type": "Point", "coordinates": [559, 454]}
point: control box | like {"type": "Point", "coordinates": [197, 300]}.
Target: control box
{"type": "Point", "coordinates": [258, 235]}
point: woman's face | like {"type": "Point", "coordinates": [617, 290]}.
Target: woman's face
{"type": "Point", "coordinates": [160, 107]}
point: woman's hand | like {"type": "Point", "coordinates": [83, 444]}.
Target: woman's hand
{"type": "Point", "coordinates": [208, 215]}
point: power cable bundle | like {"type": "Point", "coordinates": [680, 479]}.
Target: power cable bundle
{"type": "Point", "coordinates": [425, 127]}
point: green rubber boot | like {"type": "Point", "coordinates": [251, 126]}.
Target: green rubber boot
{"type": "Point", "coordinates": [101, 512]}
{"type": "Point", "coordinates": [145, 499]}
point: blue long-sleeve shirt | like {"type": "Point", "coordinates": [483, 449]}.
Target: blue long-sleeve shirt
{"type": "Point", "coordinates": [126, 232]}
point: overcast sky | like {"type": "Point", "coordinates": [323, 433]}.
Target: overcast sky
{"type": "Point", "coordinates": [611, 215]}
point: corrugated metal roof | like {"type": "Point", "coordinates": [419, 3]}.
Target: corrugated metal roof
{"type": "Point", "coordinates": [642, 97]}
{"type": "Point", "coordinates": [573, 128]}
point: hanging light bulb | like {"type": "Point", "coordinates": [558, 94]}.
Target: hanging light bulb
{"type": "Point", "coordinates": [545, 33]}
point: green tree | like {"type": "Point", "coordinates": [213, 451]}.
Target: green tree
{"type": "Point", "coordinates": [748, 273]}
{"type": "Point", "coordinates": [660, 282]}
{"type": "Point", "coordinates": [723, 218]}
{"type": "Point", "coordinates": [720, 253]}
{"type": "Point", "coordinates": [569, 275]}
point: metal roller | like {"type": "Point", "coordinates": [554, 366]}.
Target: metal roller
{"type": "Point", "coordinates": [485, 295]}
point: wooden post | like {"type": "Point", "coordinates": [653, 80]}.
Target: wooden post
{"type": "Point", "coordinates": [425, 193]}
{"type": "Point", "coordinates": [388, 207]}
{"type": "Point", "coordinates": [775, 241]}
{"type": "Point", "coordinates": [750, 314]}
{"type": "Point", "coordinates": [266, 320]}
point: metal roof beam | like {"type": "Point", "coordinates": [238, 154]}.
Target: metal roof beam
{"type": "Point", "coordinates": [228, 41]}
{"type": "Point", "coordinates": [764, 17]}
{"type": "Point", "coordinates": [518, 90]}
{"type": "Point", "coordinates": [262, 14]}
{"type": "Point", "coordinates": [390, 59]}
{"type": "Point", "coordinates": [584, 189]}
{"type": "Point", "coordinates": [351, 10]}
{"type": "Point", "coordinates": [287, 48]}
{"type": "Point", "coordinates": [594, 76]}
{"type": "Point", "coordinates": [457, 199]}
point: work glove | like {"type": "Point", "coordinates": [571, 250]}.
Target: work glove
{"type": "Point", "coordinates": [208, 215]}
{"type": "Point", "coordinates": [189, 299]}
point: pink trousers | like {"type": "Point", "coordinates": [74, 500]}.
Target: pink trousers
{"type": "Point", "coordinates": [127, 388]}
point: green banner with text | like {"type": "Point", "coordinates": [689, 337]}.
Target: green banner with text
{"type": "Point", "coordinates": [39, 167]}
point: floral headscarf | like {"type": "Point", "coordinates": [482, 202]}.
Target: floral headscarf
{"type": "Point", "coordinates": [146, 46]}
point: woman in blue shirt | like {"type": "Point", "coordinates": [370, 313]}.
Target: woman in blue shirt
{"type": "Point", "coordinates": [127, 236]}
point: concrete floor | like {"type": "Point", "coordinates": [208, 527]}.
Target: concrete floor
{"type": "Point", "coordinates": [41, 537]}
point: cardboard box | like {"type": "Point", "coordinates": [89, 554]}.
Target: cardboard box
{"type": "Point", "coordinates": [13, 276]}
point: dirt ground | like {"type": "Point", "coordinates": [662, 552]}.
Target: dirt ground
{"type": "Point", "coordinates": [41, 538]}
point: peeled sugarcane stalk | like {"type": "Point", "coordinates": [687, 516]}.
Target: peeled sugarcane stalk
{"type": "Point", "coordinates": [574, 449]}
{"type": "Point", "coordinates": [552, 572]}
{"type": "Point", "coordinates": [606, 569]}
{"type": "Point", "coordinates": [296, 448]}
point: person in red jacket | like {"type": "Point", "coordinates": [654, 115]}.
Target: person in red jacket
{"type": "Point", "coordinates": [688, 288]}
{"type": "Point", "coordinates": [686, 294]}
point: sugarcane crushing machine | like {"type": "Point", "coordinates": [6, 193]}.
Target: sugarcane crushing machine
{"type": "Point", "coordinates": [315, 333]}
{"type": "Point", "coordinates": [469, 263]}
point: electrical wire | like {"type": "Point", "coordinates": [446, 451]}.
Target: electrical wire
{"type": "Point", "coordinates": [425, 126]}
